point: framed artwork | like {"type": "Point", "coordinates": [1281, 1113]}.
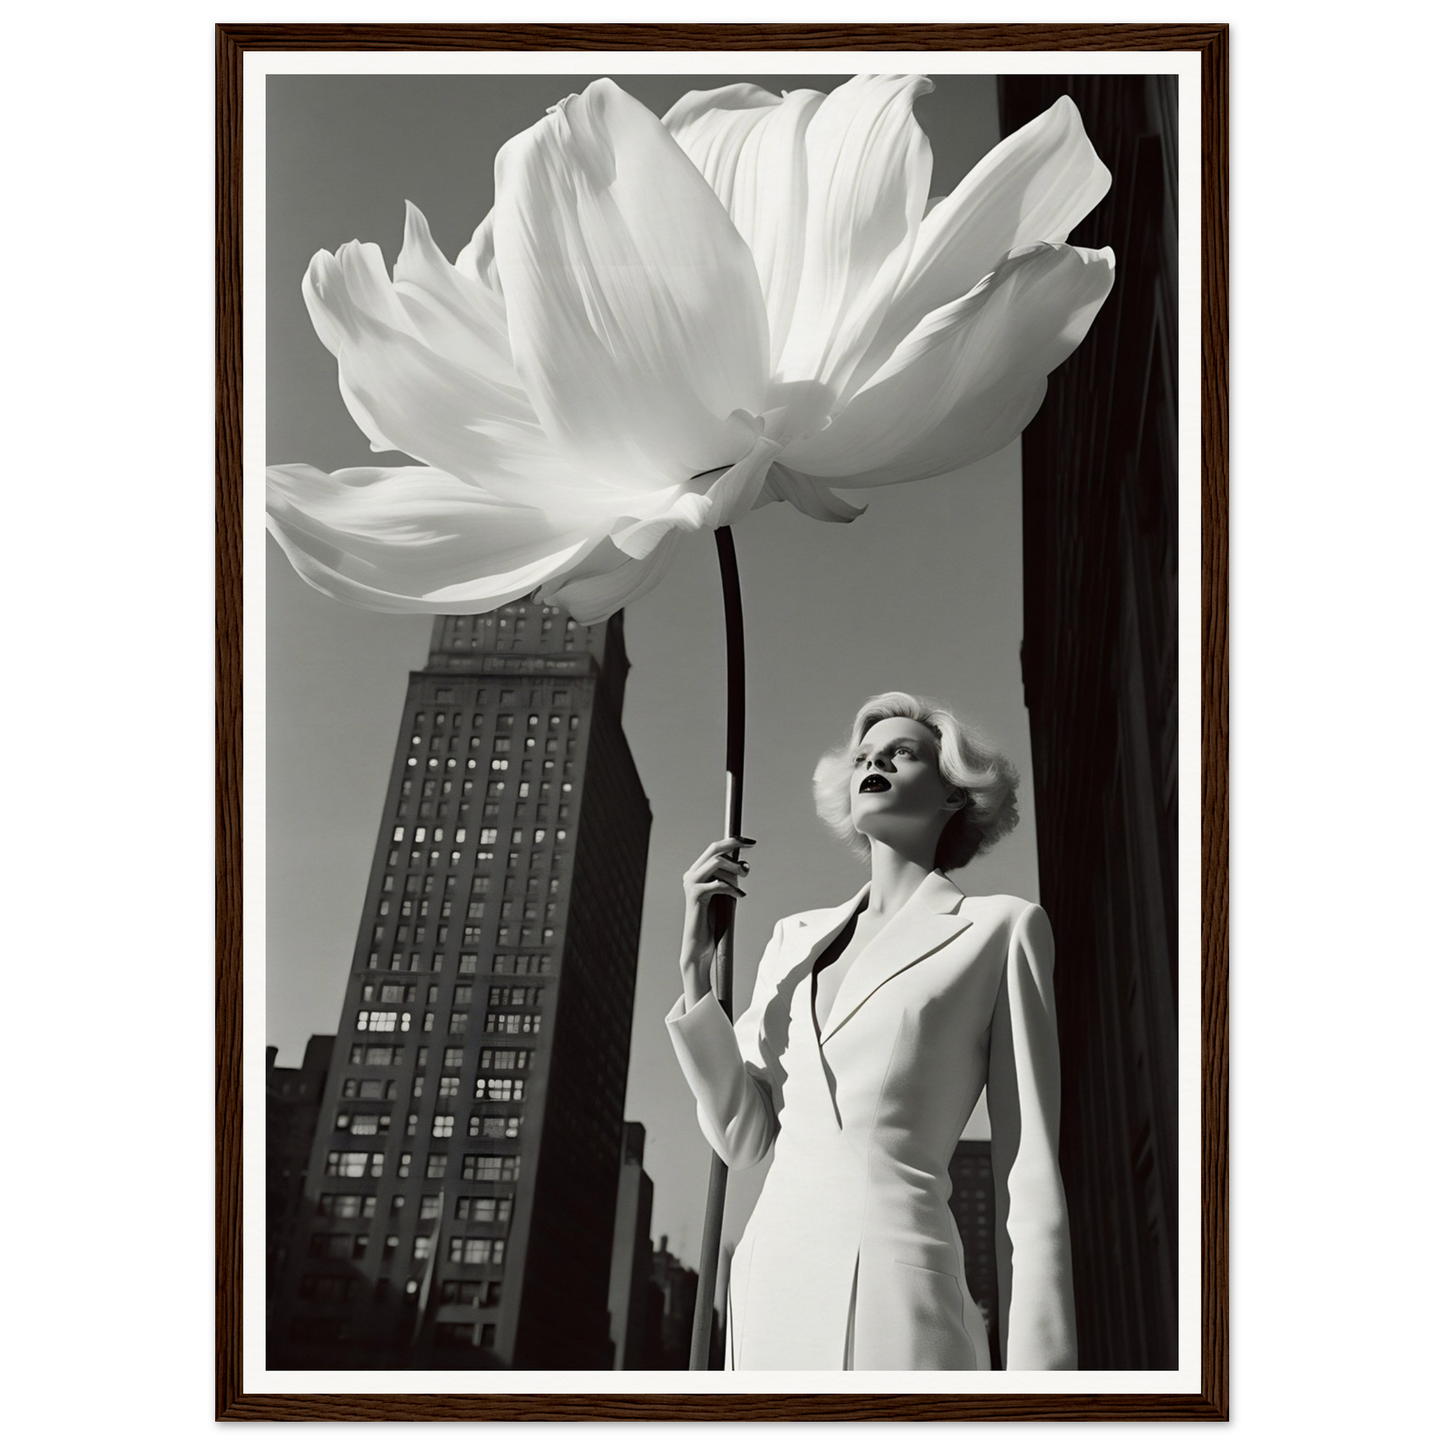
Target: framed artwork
{"type": "Point", "coordinates": [1101, 545]}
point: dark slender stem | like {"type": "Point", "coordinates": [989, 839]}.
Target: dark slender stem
{"type": "Point", "coordinates": [722, 921]}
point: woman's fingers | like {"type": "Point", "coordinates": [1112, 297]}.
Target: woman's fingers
{"type": "Point", "coordinates": [720, 885]}
{"type": "Point", "coordinates": [712, 854]}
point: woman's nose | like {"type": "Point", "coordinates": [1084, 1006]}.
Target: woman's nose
{"type": "Point", "coordinates": [881, 761]}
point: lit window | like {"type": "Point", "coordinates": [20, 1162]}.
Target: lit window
{"type": "Point", "coordinates": [491, 1168]}
{"type": "Point", "coordinates": [421, 1247]}
{"type": "Point", "coordinates": [436, 1166]}
{"type": "Point", "coordinates": [403, 1167]}
{"type": "Point", "coordinates": [468, 963]}
{"type": "Point", "coordinates": [501, 1090]}
{"type": "Point", "coordinates": [484, 1211]}
{"type": "Point", "coordinates": [398, 833]}
{"type": "Point", "coordinates": [348, 1165]}
{"type": "Point", "coordinates": [448, 1085]}
{"type": "Point", "coordinates": [457, 1024]}
{"type": "Point", "coordinates": [476, 1251]}
{"type": "Point", "coordinates": [347, 1206]}
{"type": "Point", "coordinates": [441, 1126]}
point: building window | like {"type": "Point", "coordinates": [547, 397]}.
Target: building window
{"type": "Point", "coordinates": [448, 1085]}
{"type": "Point", "coordinates": [484, 1211]}
{"type": "Point", "coordinates": [383, 1054]}
{"type": "Point", "coordinates": [476, 1251]}
{"type": "Point", "coordinates": [347, 1206]}
{"type": "Point", "coordinates": [491, 1168]}
{"type": "Point", "coordinates": [513, 1023]}
{"type": "Point", "coordinates": [368, 1089]}
{"type": "Point", "coordinates": [441, 1126]}
{"type": "Point", "coordinates": [363, 1123]}
{"type": "Point", "coordinates": [350, 1165]}
{"type": "Point", "coordinates": [431, 1206]}
{"type": "Point", "coordinates": [403, 1167]}
{"type": "Point", "coordinates": [506, 1059]}
{"type": "Point", "coordinates": [501, 1089]}
{"type": "Point", "coordinates": [436, 1166]}
{"type": "Point", "coordinates": [501, 995]}
{"type": "Point", "coordinates": [494, 1126]}
{"type": "Point", "coordinates": [467, 963]}
{"type": "Point", "coordinates": [457, 1023]}
{"type": "Point", "coordinates": [452, 1059]}
{"type": "Point", "coordinates": [382, 1021]}
{"type": "Point", "coordinates": [421, 1247]}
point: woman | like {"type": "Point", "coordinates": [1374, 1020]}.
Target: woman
{"type": "Point", "coordinates": [873, 1029]}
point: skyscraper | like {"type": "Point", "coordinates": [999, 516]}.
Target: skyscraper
{"type": "Point", "coordinates": [1101, 680]}
{"type": "Point", "coordinates": [463, 1179]}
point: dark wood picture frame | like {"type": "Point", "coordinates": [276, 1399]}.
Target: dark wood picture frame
{"type": "Point", "coordinates": [1211, 1403]}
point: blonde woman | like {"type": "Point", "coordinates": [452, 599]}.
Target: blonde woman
{"type": "Point", "coordinates": [873, 1029]}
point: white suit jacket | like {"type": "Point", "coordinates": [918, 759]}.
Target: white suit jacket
{"type": "Point", "coordinates": [851, 1258]}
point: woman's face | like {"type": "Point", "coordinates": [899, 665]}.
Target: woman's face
{"type": "Point", "coordinates": [896, 787]}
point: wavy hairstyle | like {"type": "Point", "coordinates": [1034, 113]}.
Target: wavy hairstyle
{"type": "Point", "coordinates": [965, 760]}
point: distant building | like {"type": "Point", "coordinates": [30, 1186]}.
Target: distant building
{"type": "Point", "coordinates": [972, 1203]}
{"type": "Point", "coordinates": [631, 1254]}
{"type": "Point", "coordinates": [293, 1105]}
{"type": "Point", "coordinates": [463, 1180]}
{"type": "Point", "coordinates": [1101, 680]}
{"type": "Point", "coordinates": [676, 1286]}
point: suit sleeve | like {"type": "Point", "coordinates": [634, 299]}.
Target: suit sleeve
{"type": "Point", "coordinates": [1035, 1271]}
{"type": "Point", "coordinates": [723, 1064]}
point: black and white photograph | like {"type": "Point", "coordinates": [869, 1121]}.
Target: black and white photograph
{"type": "Point", "coordinates": [722, 728]}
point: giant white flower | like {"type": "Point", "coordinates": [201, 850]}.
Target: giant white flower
{"type": "Point", "coordinates": [663, 324]}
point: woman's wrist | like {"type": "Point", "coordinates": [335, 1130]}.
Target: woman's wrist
{"type": "Point", "coordinates": [696, 976]}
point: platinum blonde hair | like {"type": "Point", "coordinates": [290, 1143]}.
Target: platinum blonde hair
{"type": "Point", "coordinates": [965, 760]}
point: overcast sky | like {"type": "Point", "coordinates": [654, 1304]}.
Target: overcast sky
{"type": "Point", "coordinates": [921, 593]}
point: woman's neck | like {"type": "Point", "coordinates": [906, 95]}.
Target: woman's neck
{"type": "Point", "coordinates": [895, 879]}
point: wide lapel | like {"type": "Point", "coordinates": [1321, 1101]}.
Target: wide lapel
{"type": "Point", "coordinates": [923, 925]}
{"type": "Point", "coordinates": [807, 934]}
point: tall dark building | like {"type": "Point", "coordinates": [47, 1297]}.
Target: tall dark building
{"type": "Point", "coordinates": [1100, 665]}
{"type": "Point", "coordinates": [463, 1179]}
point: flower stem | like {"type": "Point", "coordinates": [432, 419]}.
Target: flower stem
{"type": "Point", "coordinates": [721, 913]}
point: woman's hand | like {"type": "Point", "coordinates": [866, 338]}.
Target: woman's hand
{"type": "Point", "coordinates": [714, 875]}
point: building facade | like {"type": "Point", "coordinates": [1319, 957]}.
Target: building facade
{"type": "Point", "coordinates": [462, 1183]}
{"type": "Point", "coordinates": [1100, 666]}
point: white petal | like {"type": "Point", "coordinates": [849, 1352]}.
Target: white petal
{"type": "Point", "coordinates": [1035, 185]}
{"type": "Point", "coordinates": [809, 496]}
{"type": "Point", "coordinates": [633, 306]}
{"type": "Point", "coordinates": [608, 580]}
{"type": "Point", "coordinates": [413, 539]}
{"type": "Point", "coordinates": [451, 311]}
{"type": "Point", "coordinates": [407, 397]}
{"type": "Point", "coordinates": [868, 170]}
{"type": "Point", "coordinates": [970, 376]}
{"type": "Point", "coordinates": [750, 145]}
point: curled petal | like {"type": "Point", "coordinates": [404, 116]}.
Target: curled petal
{"type": "Point", "coordinates": [634, 309]}
{"type": "Point", "coordinates": [868, 170]}
{"type": "Point", "coordinates": [969, 377]}
{"type": "Point", "coordinates": [451, 310]}
{"type": "Point", "coordinates": [1035, 185]}
{"type": "Point", "coordinates": [608, 579]}
{"type": "Point", "coordinates": [414, 539]}
{"type": "Point", "coordinates": [750, 144]}
{"type": "Point", "coordinates": [809, 496]}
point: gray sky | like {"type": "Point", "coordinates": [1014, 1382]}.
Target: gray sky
{"type": "Point", "coordinates": [921, 593]}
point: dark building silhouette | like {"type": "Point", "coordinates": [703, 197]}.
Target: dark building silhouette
{"type": "Point", "coordinates": [631, 1254]}
{"type": "Point", "coordinates": [972, 1203]}
{"type": "Point", "coordinates": [293, 1104]}
{"type": "Point", "coordinates": [463, 1179]}
{"type": "Point", "coordinates": [1100, 666]}
{"type": "Point", "coordinates": [676, 1287]}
